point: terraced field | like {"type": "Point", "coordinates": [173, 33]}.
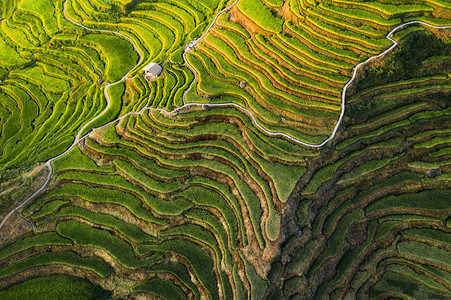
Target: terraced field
{"type": "Point", "coordinates": [189, 190]}
{"type": "Point", "coordinates": [295, 58]}
{"type": "Point", "coordinates": [374, 218]}
{"type": "Point", "coordinates": [52, 77]}
{"type": "Point", "coordinates": [56, 75]}
{"type": "Point", "coordinates": [208, 192]}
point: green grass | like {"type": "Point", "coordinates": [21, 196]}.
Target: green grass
{"type": "Point", "coordinates": [44, 10]}
{"type": "Point", "coordinates": [279, 97]}
{"type": "Point", "coordinates": [9, 56]}
{"type": "Point", "coordinates": [219, 231]}
{"type": "Point", "coordinates": [428, 199]}
{"type": "Point", "coordinates": [95, 264]}
{"type": "Point", "coordinates": [371, 166]}
{"type": "Point", "coordinates": [197, 233]}
{"type": "Point", "coordinates": [342, 56]}
{"type": "Point", "coordinates": [202, 181]}
{"type": "Point", "coordinates": [361, 15]}
{"type": "Point", "coordinates": [261, 15]}
{"type": "Point", "coordinates": [130, 231]}
{"type": "Point", "coordinates": [55, 287]}
{"type": "Point", "coordinates": [49, 208]}
{"type": "Point", "coordinates": [430, 114]}
{"type": "Point", "coordinates": [200, 261]}
{"type": "Point", "coordinates": [142, 162]}
{"type": "Point", "coordinates": [274, 2]}
{"type": "Point", "coordinates": [292, 284]}
{"type": "Point", "coordinates": [163, 288]}
{"type": "Point", "coordinates": [328, 66]}
{"type": "Point", "coordinates": [258, 285]}
{"type": "Point", "coordinates": [135, 191]}
{"type": "Point", "coordinates": [105, 195]}
{"type": "Point", "coordinates": [115, 92]}
{"type": "Point", "coordinates": [348, 37]}
{"type": "Point", "coordinates": [180, 271]}
{"type": "Point", "coordinates": [347, 259]}
{"type": "Point", "coordinates": [428, 134]}
{"type": "Point", "coordinates": [273, 224]}
{"type": "Point", "coordinates": [396, 179]}
{"type": "Point", "coordinates": [118, 52]}
{"type": "Point", "coordinates": [431, 234]}
{"type": "Point", "coordinates": [397, 283]}
{"type": "Point", "coordinates": [85, 235]}
{"type": "Point", "coordinates": [425, 251]}
{"type": "Point", "coordinates": [375, 216]}
{"type": "Point", "coordinates": [331, 219]}
{"type": "Point", "coordinates": [422, 279]}
{"type": "Point", "coordinates": [143, 178]}
{"type": "Point", "coordinates": [373, 133]}
{"type": "Point", "coordinates": [39, 240]}
{"type": "Point", "coordinates": [246, 50]}
{"type": "Point", "coordinates": [233, 218]}
{"type": "Point", "coordinates": [438, 153]}
{"type": "Point", "coordinates": [385, 228]}
{"type": "Point", "coordinates": [389, 9]}
{"type": "Point", "coordinates": [37, 76]}
{"type": "Point", "coordinates": [393, 114]}
{"type": "Point", "coordinates": [435, 59]}
{"type": "Point", "coordinates": [202, 196]}
{"type": "Point", "coordinates": [434, 142]}
{"type": "Point", "coordinates": [428, 165]}
{"type": "Point", "coordinates": [322, 176]}
{"type": "Point", "coordinates": [75, 160]}
{"type": "Point", "coordinates": [336, 238]}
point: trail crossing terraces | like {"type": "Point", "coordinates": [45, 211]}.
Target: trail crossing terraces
{"type": "Point", "coordinates": [185, 105]}
{"type": "Point", "coordinates": [191, 45]}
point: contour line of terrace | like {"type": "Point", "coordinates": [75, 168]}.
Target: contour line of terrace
{"type": "Point", "coordinates": [188, 47]}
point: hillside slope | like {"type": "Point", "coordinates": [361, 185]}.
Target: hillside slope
{"type": "Point", "coordinates": [202, 204]}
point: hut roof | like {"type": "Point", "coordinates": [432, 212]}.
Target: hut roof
{"type": "Point", "coordinates": [434, 173]}
{"type": "Point", "coordinates": [153, 69]}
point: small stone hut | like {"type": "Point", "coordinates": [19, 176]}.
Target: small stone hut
{"type": "Point", "coordinates": [434, 173]}
{"type": "Point", "coordinates": [152, 71]}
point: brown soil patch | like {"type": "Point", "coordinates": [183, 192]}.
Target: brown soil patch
{"type": "Point", "coordinates": [35, 171]}
{"type": "Point", "coordinates": [38, 177]}
{"type": "Point", "coordinates": [287, 14]}
{"type": "Point", "coordinates": [15, 226]}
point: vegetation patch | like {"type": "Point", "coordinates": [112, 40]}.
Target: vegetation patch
{"type": "Point", "coordinates": [261, 14]}
{"type": "Point", "coordinates": [55, 287]}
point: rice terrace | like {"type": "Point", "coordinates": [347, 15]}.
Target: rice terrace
{"type": "Point", "coordinates": [225, 149]}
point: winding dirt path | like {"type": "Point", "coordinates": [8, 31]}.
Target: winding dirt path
{"type": "Point", "coordinates": [48, 164]}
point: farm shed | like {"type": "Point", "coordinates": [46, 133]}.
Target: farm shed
{"type": "Point", "coordinates": [152, 71]}
{"type": "Point", "coordinates": [433, 173]}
